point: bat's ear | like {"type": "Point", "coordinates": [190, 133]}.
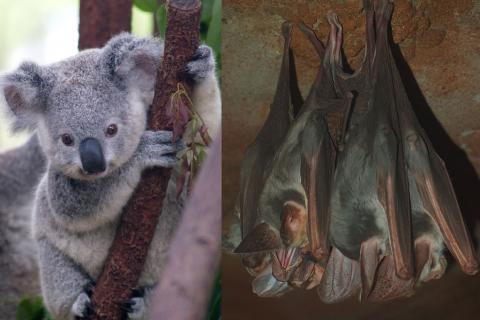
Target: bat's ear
{"type": "Point", "coordinates": [262, 238]}
{"type": "Point", "coordinates": [132, 62]}
{"type": "Point", "coordinates": [25, 92]}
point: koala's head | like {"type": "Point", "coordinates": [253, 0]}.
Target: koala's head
{"type": "Point", "coordinates": [90, 110]}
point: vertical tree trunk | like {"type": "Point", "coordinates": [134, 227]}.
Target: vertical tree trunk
{"type": "Point", "coordinates": [129, 250]}
{"type": "Point", "coordinates": [102, 19]}
{"type": "Point", "coordinates": [183, 294]}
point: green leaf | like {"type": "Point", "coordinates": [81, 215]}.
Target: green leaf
{"type": "Point", "coordinates": [207, 6]}
{"type": "Point", "coordinates": [161, 20]}
{"type": "Point", "coordinates": [214, 29]}
{"type": "Point", "coordinates": [202, 154]}
{"type": "Point", "coordinates": [195, 125]}
{"type": "Point", "coordinates": [146, 5]}
{"type": "Point", "coordinates": [214, 310]}
{"type": "Point", "coordinates": [32, 309]}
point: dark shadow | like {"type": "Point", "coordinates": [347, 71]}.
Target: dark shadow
{"type": "Point", "coordinates": [462, 173]}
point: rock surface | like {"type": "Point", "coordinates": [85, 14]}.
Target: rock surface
{"type": "Point", "coordinates": [438, 54]}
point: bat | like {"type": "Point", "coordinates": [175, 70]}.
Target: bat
{"type": "Point", "coordinates": [390, 186]}
{"type": "Point", "coordinates": [342, 278]}
{"type": "Point", "coordinates": [431, 192]}
{"type": "Point", "coordinates": [357, 171]}
{"type": "Point", "coordinates": [258, 238]}
{"type": "Point", "coordinates": [295, 199]}
{"type": "Point", "coordinates": [287, 222]}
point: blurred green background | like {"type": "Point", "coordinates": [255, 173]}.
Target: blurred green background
{"type": "Point", "coordinates": [44, 32]}
{"type": "Point", "coordinates": [47, 31]}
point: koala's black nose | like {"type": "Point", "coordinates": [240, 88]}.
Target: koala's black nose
{"type": "Point", "coordinates": [91, 156]}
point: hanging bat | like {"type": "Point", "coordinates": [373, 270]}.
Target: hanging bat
{"type": "Point", "coordinates": [283, 202]}
{"type": "Point", "coordinates": [436, 216]}
{"type": "Point", "coordinates": [342, 278]}
{"type": "Point", "coordinates": [431, 192]}
{"type": "Point", "coordinates": [257, 237]}
{"type": "Point", "coordinates": [294, 201]}
{"type": "Point", "coordinates": [410, 185]}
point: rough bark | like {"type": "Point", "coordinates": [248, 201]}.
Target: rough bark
{"type": "Point", "coordinates": [183, 294]}
{"type": "Point", "coordinates": [102, 19]}
{"type": "Point", "coordinates": [129, 250]}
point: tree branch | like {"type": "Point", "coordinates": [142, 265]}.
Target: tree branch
{"type": "Point", "coordinates": [194, 254]}
{"type": "Point", "coordinates": [140, 218]}
{"type": "Point", "coordinates": [102, 19]}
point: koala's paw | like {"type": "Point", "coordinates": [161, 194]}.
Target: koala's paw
{"type": "Point", "coordinates": [156, 137]}
{"type": "Point", "coordinates": [157, 150]}
{"type": "Point", "coordinates": [135, 308]}
{"type": "Point", "coordinates": [201, 64]}
{"type": "Point", "coordinates": [82, 307]}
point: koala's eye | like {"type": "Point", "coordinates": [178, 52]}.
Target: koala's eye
{"type": "Point", "coordinates": [111, 130]}
{"type": "Point", "coordinates": [67, 139]}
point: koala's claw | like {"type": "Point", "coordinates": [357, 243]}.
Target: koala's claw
{"type": "Point", "coordinates": [82, 307]}
{"type": "Point", "coordinates": [157, 150]}
{"type": "Point", "coordinates": [135, 308]}
{"type": "Point", "coordinates": [201, 64]}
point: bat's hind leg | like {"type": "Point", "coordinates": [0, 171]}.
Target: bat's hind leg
{"type": "Point", "coordinates": [430, 262]}
{"type": "Point", "coordinates": [371, 254]}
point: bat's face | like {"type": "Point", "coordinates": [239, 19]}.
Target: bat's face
{"type": "Point", "coordinates": [293, 234]}
{"type": "Point", "coordinates": [291, 262]}
{"type": "Point", "coordinates": [293, 230]}
{"type": "Point", "coordinates": [285, 252]}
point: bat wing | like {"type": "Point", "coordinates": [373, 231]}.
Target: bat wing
{"type": "Point", "coordinates": [317, 167]}
{"type": "Point", "coordinates": [317, 44]}
{"type": "Point", "coordinates": [259, 154]}
{"type": "Point", "coordinates": [261, 238]}
{"type": "Point", "coordinates": [388, 285]}
{"type": "Point", "coordinates": [307, 275]}
{"type": "Point", "coordinates": [392, 183]}
{"type": "Point", "coordinates": [438, 198]}
{"type": "Point", "coordinates": [265, 285]}
{"type": "Point", "coordinates": [431, 179]}
{"type": "Point", "coordinates": [393, 195]}
{"type": "Point", "coordinates": [341, 279]}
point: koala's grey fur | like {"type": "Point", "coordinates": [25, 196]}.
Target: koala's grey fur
{"type": "Point", "coordinates": [18, 267]}
{"type": "Point", "coordinates": [76, 213]}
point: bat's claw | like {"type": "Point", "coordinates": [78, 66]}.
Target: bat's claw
{"type": "Point", "coordinates": [429, 263]}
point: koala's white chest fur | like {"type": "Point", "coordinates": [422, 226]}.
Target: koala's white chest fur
{"type": "Point", "coordinates": [90, 249]}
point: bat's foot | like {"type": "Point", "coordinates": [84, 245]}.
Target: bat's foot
{"type": "Point", "coordinates": [370, 256]}
{"type": "Point", "coordinates": [341, 279]}
{"type": "Point", "coordinates": [308, 275]}
{"type": "Point", "coordinates": [429, 261]}
{"type": "Point", "coordinates": [388, 285]}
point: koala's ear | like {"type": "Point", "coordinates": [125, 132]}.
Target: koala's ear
{"type": "Point", "coordinates": [132, 62]}
{"type": "Point", "coordinates": [25, 92]}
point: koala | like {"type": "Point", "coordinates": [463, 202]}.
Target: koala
{"type": "Point", "coordinates": [18, 267]}
{"type": "Point", "coordinates": [89, 115]}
